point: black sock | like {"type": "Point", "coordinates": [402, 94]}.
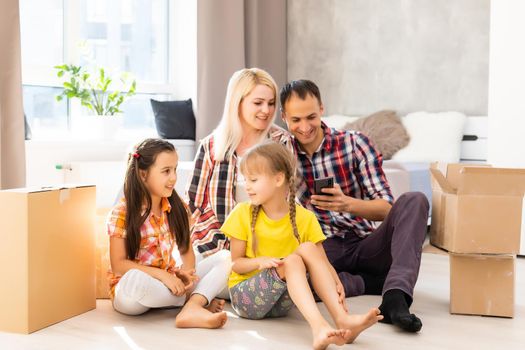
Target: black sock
{"type": "Point", "coordinates": [394, 309]}
{"type": "Point", "coordinates": [373, 284]}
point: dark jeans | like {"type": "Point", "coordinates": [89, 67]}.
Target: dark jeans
{"type": "Point", "coordinates": [393, 250]}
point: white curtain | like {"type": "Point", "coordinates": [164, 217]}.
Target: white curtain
{"type": "Point", "coordinates": [12, 146]}
{"type": "Point", "coordinates": [231, 35]}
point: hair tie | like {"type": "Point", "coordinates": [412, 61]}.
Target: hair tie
{"type": "Point", "coordinates": [136, 155]}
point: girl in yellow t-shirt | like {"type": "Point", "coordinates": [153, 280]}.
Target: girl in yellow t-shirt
{"type": "Point", "coordinates": [274, 244]}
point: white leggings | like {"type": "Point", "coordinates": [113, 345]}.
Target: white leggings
{"type": "Point", "coordinates": [137, 292]}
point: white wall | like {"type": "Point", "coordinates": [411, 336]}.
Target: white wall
{"type": "Point", "coordinates": [410, 55]}
{"type": "Point", "coordinates": [98, 162]}
{"type": "Point", "coordinates": [506, 146]}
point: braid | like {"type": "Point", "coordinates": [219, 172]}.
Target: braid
{"type": "Point", "coordinates": [255, 212]}
{"type": "Point", "coordinates": [291, 201]}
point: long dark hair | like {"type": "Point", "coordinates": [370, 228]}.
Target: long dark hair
{"type": "Point", "coordinates": [136, 195]}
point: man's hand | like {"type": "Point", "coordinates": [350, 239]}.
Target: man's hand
{"type": "Point", "coordinates": [334, 200]}
{"type": "Point", "coordinates": [267, 263]}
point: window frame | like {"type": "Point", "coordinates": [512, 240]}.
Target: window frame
{"type": "Point", "coordinates": [181, 81]}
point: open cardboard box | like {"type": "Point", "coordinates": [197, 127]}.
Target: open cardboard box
{"type": "Point", "coordinates": [47, 256]}
{"type": "Point", "coordinates": [476, 209]}
{"type": "Point", "coordinates": [482, 284]}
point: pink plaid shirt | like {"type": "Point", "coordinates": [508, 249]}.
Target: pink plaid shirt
{"type": "Point", "coordinates": [156, 244]}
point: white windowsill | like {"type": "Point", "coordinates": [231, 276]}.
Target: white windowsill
{"type": "Point", "coordinates": [64, 136]}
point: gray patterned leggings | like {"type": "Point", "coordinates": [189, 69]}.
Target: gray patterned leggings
{"type": "Point", "coordinates": [260, 296]}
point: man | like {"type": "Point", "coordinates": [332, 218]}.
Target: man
{"type": "Point", "coordinates": [383, 261]}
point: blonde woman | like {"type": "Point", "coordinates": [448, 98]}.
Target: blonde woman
{"type": "Point", "coordinates": [217, 185]}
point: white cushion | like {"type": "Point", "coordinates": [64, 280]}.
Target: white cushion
{"type": "Point", "coordinates": [338, 121]}
{"type": "Point", "coordinates": [433, 137]}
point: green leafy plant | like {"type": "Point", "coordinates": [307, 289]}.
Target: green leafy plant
{"type": "Point", "coordinates": [93, 90]}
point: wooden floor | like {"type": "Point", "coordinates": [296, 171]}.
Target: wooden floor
{"type": "Point", "coordinates": [104, 328]}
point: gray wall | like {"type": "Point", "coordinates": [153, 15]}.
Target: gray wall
{"type": "Point", "coordinates": [409, 55]}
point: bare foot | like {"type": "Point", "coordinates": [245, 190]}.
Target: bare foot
{"type": "Point", "coordinates": [216, 305]}
{"type": "Point", "coordinates": [195, 316]}
{"type": "Point", "coordinates": [358, 323]}
{"type": "Point", "coordinates": [327, 335]}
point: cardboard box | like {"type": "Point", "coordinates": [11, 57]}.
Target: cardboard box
{"type": "Point", "coordinates": [476, 209]}
{"type": "Point", "coordinates": [102, 253]}
{"type": "Point", "coordinates": [482, 284]}
{"type": "Point", "coordinates": [522, 240]}
{"type": "Point", "coordinates": [47, 256]}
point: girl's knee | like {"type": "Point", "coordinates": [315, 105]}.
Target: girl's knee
{"type": "Point", "coordinates": [306, 248]}
{"type": "Point", "coordinates": [133, 284]}
{"type": "Point", "coordinates": [292, 259]}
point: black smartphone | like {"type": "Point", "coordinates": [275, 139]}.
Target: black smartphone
{"type": "Point", "coordinates": [319, 184]}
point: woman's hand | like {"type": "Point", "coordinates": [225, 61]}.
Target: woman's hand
{"type": "Point", "coordinates": [174, 284]}
{"type": "Point", "coordinates": [267, 263]}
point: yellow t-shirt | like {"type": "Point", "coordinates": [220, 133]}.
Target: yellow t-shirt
{"type": "Point", "coordinates": [275, 238]}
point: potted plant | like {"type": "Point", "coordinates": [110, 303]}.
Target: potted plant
{"type": "Point", "coordinates": [94, 92]}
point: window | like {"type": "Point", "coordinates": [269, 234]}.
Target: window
{"type": "Point", "coordinates": [120, 35]}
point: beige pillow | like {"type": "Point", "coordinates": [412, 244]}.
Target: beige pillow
{"type": "Point", "coordinates": [384, 129]}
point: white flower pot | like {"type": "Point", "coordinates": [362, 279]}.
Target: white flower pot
{"type": "Point", "coordinates": [98, 127]}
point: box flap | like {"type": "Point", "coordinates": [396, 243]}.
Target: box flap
{"type": "Point", "coordinates": [439, 180]}
{"type": "Point", "coordinates": [492, 181]}
{"type": "Point", "coordinates": [453, 171]}
{"type": "Point", "coordinates": [47, 188]}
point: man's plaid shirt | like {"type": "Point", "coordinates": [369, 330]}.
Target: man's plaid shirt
{"type": "Point", "coordinates": [356, 166]}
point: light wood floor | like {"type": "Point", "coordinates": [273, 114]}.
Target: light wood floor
{"type": "Point", "coordinates": [104, 328]}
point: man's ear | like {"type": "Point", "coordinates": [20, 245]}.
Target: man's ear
{"type": "Point", "coordinates": [321, 109]}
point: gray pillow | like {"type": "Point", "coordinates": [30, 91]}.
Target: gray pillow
{"type": "Point", "coordinates": [384, 129]}
{"type": "Point", "coordinates": [174, 119]}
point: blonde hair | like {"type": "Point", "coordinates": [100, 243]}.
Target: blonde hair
{"type": "Point", "coordinates": [274, 158]}
{"type": "Point", "coordinates": [228, 133]}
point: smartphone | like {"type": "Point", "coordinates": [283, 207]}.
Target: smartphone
{"type": "Point", "coordinates": [319, 184]}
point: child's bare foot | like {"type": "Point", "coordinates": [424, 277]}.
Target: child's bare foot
{"type": "Point", "coordinates": [216, 305]}
{"type": "Point", "coordinates": [358, 323]}
{"type": "Point", "coordinates": [195, 316]}
{"type": "Point", "coordinates": [327, 335]}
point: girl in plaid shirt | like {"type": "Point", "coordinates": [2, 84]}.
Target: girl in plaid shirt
{"type": "Point", "coordinates": [145, 228]}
